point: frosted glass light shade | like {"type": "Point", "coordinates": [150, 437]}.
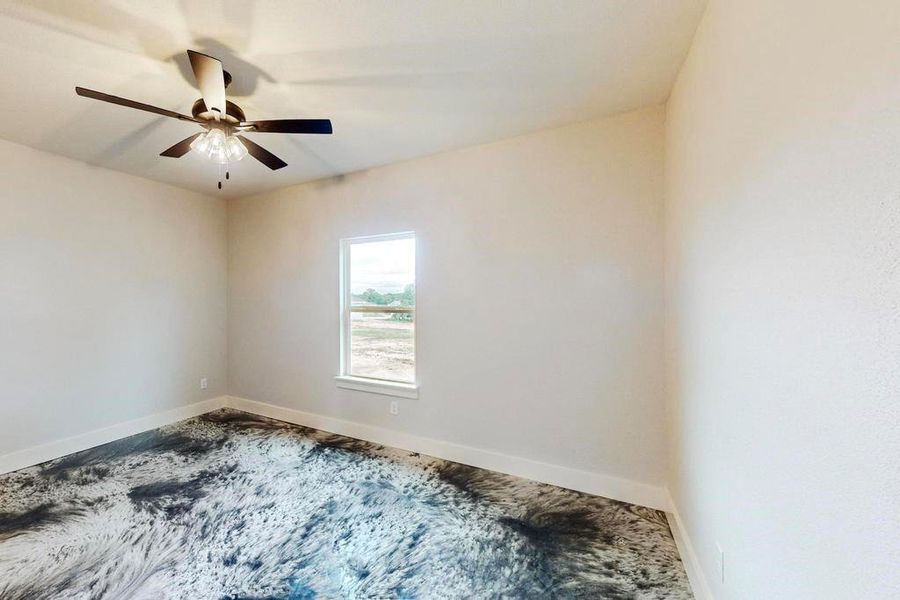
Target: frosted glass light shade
{"type": "Point", "coordinates": [236, 150]}
{"type": "Point", "coordinates": [218, 147]}
{"type": "Point", "coordinates": [201, 144]}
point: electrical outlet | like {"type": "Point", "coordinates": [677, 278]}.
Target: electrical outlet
{"type": "Point", "coordinates": [720, 562]}
{"type": "Point", "coordinates": [204, 383]}
{"type": "Point", "coordinates": [395, 407]}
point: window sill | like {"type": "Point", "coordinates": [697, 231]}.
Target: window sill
{"type": "Point", "coordinates": [374, 386]}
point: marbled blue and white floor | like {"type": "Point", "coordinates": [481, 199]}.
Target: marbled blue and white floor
{"type": "Point", "coordinates": [230, 505]}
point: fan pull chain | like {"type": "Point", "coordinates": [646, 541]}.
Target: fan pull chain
{"type": "Point", "coordinates": [227, 175]}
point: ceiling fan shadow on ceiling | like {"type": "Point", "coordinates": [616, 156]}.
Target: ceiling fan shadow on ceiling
{"type": "Point", "coordinates": [222, 121]}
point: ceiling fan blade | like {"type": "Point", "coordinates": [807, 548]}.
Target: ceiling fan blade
{"type": "Point", "coordinates": [181, 148]}
{"type": "Point", "coordinates": [289, 126]}
{"type": "Point", "coordinates": [132, 104]}
{"type": "Point", "coordinates": [210, 79]}
{"type": "Point", "coordinates": [262, 155]}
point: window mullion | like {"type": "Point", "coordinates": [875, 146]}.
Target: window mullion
{"type": "Point", "coordinates": [382, 309]}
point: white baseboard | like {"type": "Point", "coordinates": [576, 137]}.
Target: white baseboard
{"type": "Point", "coordinates": [38, 454]}
{"type": "Point", "coordinates": [582, 481]}
{"type": "Point", "coordinates": [692, 566]}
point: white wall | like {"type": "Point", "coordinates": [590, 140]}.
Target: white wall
{"type": "Point", "coordinates": [112, 297]}
{"type": "Point", "coordinates": [783, 253]}
{"type": "Point", "coordinates": [539, 294]}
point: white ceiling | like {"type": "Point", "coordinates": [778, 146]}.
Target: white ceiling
{"type": "Point", "coordinates": [399, 78]}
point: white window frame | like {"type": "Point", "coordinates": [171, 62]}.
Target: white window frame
{"type": "Point", "coordinates": [370, 384]}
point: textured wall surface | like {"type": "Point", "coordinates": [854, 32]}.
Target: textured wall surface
{"type": "Point", "coordinates": [112, 297]}
{"type": "Point", "coordinates": [783, 254]}
{"type": "Point", "coordinates": [539, 294]}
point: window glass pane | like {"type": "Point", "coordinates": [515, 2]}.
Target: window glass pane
{"type": "Point", "coordinates": [383, 273]}
{"type": "Point", "coordinates": [382, 345]}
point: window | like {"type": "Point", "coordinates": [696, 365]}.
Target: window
{"type": "Point", "coordinates": [378, 314]}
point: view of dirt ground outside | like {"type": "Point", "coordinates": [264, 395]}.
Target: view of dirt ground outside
{"type": "Point", "coordinates": [382, 274]}
{"type": "Point", "coordinates": [382, 347]}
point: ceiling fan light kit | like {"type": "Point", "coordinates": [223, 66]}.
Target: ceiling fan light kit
{"type": "Point", "coordinates": [218, 147]}
{"type": "Point", "coordinates": [221, 119]}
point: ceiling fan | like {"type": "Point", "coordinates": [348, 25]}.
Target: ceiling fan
{"type": "Point", "coordinates": [222, 120]}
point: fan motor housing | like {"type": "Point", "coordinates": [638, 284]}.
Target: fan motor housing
{"type": "Point", "coordinates": [233, 113]}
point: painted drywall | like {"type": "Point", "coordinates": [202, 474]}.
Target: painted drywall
{"type": "Point", "coordinates": [783, 297]}
{"type": "Point", "coordinates": [398, 79]}
{"type": "Point", "coordinates": [539, 295]}
{"type": "Point", "coordinates": [112, 297]}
